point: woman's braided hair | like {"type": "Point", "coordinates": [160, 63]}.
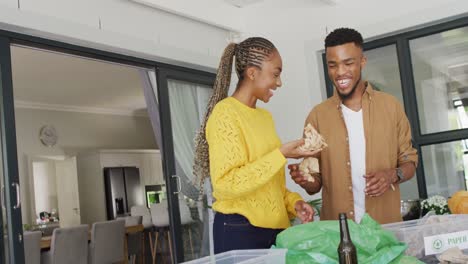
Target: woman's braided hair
{"type": "Point", "coordinates": [251, 52]}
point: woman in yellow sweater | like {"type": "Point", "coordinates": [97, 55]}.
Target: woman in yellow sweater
{"type": "Point", "coordinates": [246, 158]}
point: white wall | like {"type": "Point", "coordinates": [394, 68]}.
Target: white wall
{"type": "Point", "coordinates": [45, 184]}
{"type": "Point", "coordinates": [77, 132]}
{"type": "Point", "coordinates": [118, 25]}
{"type": "Point", "coordinates": [299, 35]}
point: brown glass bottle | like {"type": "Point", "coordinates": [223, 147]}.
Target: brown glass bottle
{"type": "Point", "coordinates": [347, 253]}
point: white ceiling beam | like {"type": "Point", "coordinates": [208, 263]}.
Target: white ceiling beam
{"type": "Point", "coordinates": [20, 104]}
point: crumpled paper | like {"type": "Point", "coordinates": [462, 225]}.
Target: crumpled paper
{"type": "Point", "coordinates": [453, 256]}
{"type": "Point", "coordinates": [313, 141]}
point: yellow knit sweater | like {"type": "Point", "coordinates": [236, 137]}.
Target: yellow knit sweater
{"type": "Point", "coordinates": [246, 166]}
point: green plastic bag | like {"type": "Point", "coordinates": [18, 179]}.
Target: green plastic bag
{"type": "Point", "coordinates": [317, 242]}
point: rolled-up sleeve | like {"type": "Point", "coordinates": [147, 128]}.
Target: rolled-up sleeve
{"type": "Point", "coordinates": [406, 152]}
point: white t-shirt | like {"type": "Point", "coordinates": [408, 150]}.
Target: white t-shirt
{"type": "Point", "coordinates": [357, 153]}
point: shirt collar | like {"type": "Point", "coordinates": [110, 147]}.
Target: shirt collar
{"type": "Point", "coordinates": [369, 92]}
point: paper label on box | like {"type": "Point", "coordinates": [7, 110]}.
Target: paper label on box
{"type": "Point", "coordinates": [439, 243]}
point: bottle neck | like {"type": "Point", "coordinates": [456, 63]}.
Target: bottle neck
{"type": "Point", "coordinates": [344, 231]}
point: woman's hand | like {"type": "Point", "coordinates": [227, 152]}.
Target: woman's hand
{"type": "Point", "coordinates": [292, 150]}
{"type": "Point", "coordinates": [304, 211]}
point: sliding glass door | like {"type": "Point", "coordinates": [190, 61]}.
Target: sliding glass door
{"type": "Point", "coordinates": [174, 113]}
{"type": "Point", "coordinates": [183, 96]}
{"type": "Point", "coordinates": [11, 237]}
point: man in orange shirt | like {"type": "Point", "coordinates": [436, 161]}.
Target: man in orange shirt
{"type": "Point", "coordinates": [369, 140]}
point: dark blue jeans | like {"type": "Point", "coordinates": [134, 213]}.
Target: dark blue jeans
{"type": "Point", "coordinates": [233, 231]}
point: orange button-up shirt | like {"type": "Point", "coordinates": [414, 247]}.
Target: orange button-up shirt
{"type": "Point", "coordinates": [388, 145]}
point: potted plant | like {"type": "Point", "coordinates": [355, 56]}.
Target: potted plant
{"type": "Point", "coordinates": [435, 203]}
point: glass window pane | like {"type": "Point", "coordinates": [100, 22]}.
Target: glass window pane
{"type": "Point", "coordinates": [409, 190]}
{"type": "Point", "coordinates": [188, 103]}
{"type": "Point", "coordinates": [445, 167]}
{"type": "Point", "coordinates": [440, 66]}
{"type": "Point", "coordinates": [382, 70]}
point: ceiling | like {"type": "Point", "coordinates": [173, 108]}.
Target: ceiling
{"type": "Point", "coordinates": [243, 3]}
{"type": "Point", "coordinates": [56, 81]}
{"type": "Point", "coordinates": [280, 3]}
{"type": "Point", "coordinates": [231, 14]}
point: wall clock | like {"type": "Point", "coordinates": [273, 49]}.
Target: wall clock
{"type": "Point", "coordinates": [48, 135]}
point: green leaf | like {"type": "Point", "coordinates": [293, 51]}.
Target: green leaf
{"type": "Point", "coordinates": [316, 204]}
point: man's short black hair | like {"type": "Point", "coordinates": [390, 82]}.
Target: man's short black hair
{"type": "Point", "coordinates": [342, 36]}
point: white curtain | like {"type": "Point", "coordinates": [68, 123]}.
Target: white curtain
{"type": "Point", "coordinates": [188, 103]}
{"type": "Point", "coordinates": [148, 80]}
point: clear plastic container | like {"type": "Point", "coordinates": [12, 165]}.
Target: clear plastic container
{"type": "Point", "coordinates": [254, 256]}
{"type": "Point", "coordinates": [413, 232]}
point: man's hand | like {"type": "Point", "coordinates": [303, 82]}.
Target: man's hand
{"type": "Point", "coordinates": [304, 211]}
{"type": "Point", "coordinates": [302, 180]}
{"type": "Point", "coordinates": [377, 183]}
{"type": "Point", "coordinates": [297, 175]}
